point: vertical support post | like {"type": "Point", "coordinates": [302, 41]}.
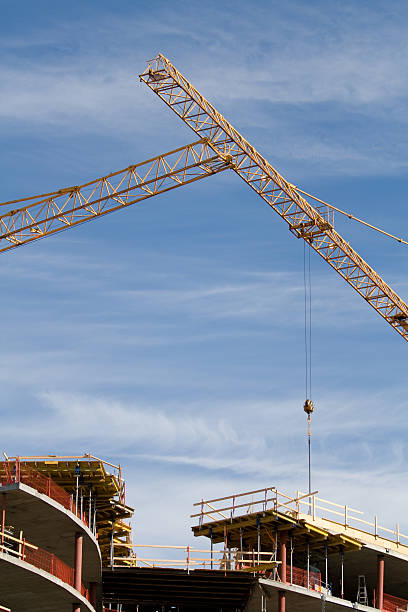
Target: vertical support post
{"type": "Point", "coordinates": [212, 547]}
{"type": "Point", "coordinates": [291, 559]}
{"type": "Point", "coordinates": [201, 515]}
{"type": "Point", "coordinates": [326, 552]}
{"type": "Point", "coordinates": [90, 507]}
{"type": "Point", "coordinates": [77, 472]}
{"type": "Point", "coordinates": [282, 556]}
{"type": "Point", "coordinates": [20, 545]}
{"type": "Point", "coordinates": [380, 582]}
{"type": "Point", "coordinates": [308, 562]}
{"type": "Point", "coordinates": [258, 527]}
{"type": "Point", "coordinates": [94, 518]}
{"type": "Point", "coordinates": [78, 561]}
{"type": "Point", "coordinates": [112, 555]}
{"type": "Point", "coordinates": [3, 517]}
{"type": "Point", "coordinates": [282, 601]}
{"type": "Point", "coordinates": [342, 572]}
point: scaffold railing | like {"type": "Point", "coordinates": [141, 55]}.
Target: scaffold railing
{"type": "Point", "coordinates": [87, 457]}
{"type": "Point", "coordinates": [16, 471]}
{"type": "Point", "coordinates": [188, 557]}
{"type": "Point", "coordinates": [394, 604]}
{"type": "Point", "coordinates": [19, 548]}
{"type": "Point", "coordinates": [300, 506]}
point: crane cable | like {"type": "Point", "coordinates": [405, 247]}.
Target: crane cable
{"type": "Point", "coordinates": [308, 405]}
{"type": "Point", "coordinates": [307, 283]}
{"type": "Point", "coordinates": [350, 216]}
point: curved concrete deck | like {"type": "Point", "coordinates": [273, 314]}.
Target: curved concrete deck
{"type": "Point", "coordinates": [298, 598]}
{"type": "Point", "coordinates": [25, 587]}
{"type": "Point", "coordinates": [47, 524]}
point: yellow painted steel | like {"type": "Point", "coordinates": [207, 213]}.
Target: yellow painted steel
{"type": "Point", "coordinates": [49, 213]}
{"type": "Point", "coordinates": [108, 490]}
{"type": "Point", "coordinates": [304, 220]}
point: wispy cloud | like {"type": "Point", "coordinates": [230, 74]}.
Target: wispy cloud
{"type": "Point", "coordinates": [314, 88]}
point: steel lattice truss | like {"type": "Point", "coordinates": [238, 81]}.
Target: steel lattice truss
{"type": "Point", "coordinates": [304, 220]}
{"type": "Point", "coordinates": [53, 212]}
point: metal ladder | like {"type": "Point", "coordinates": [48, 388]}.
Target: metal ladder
{"type": "Point", "coordinates": [362, 596]}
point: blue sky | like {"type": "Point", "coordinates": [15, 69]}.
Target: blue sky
{"type": "Point", "coordinates": [169, 337]}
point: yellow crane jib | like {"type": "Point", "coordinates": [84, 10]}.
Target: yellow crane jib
{"type": "Point", "coordinates": [304, 220]}
{"type": "Point", "coordinates": [53, 212]}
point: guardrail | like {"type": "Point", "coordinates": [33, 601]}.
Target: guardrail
{"type": "Point", "coordinates": [16, 471]}
{"type": "Point", "coordinates": [394, 604]}
{"type": "Point", "coordinates": [78, 458]}
{"type": "Point", "coordinates": [197, 558]}
{"type": "Point", "coordinates": [187, 557]}
{"type": "Point", "coordinates": [38, 557]}
{"type": "Point", "coordinates": [269, 498]}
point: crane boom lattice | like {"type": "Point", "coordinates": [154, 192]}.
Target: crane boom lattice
{"type": "Point", "coordinates": [53, 212]}
{"type": "Point", "coordinates": [304, 220]}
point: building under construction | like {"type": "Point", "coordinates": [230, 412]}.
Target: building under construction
{"type": "Point", "coordinates": [66, 541]}
{"type": "Point", "coordinates": [66, 545]}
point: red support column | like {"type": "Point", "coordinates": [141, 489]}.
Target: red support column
{"type": "Point", "coordinates": [282, 555]}
{"type": "Point", "coordinates": [282, 601]}
{"type": "Point", "coordinates": [380, 581]}
{"type": "Point", "coordinates": [78, 562]}
{"type": "Point", "coordinates": [282, 568]}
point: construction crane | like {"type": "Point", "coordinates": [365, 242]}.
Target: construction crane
{"type": "Point", "coordinates": [46, 214]}
{"type": "Point", "coordinates": [304, 220]}
{"type": "Point", "coordinates": [220, 147]}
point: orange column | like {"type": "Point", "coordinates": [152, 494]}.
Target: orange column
{"type": "Point", "coordinates": [78, 561]}
{"type": "Point", "coordinates": [282, 569]}
{"type": "Point", "coordinates": [282, 601]}
{"type": "Point", "coordinates": [380, 581]}
{"type": "Point", "coordinates": [282, 555]}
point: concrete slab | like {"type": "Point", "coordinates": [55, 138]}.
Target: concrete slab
{"type": "Point", "coordinates": [297, 598]}
{"type": "Point", "coordinates": [25, 588]}
{"type": "Point", "coordinates": [364, 562]}
{"type": "Point", "coordinates": [47, 524]}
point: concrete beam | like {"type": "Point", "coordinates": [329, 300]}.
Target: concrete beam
{"type": "Point", "coordinates": [25, 587]}
{"type": "Point", "coordinates": [47, 524]}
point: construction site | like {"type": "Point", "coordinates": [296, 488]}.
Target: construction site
{"type": "Point", "coordinates": [67, 542]}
